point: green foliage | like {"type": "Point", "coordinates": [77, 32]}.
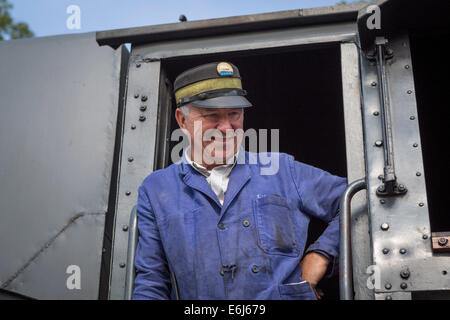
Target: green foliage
{"type": "Point", "coordinates": [9, 29]}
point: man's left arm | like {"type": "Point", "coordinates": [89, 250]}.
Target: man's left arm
{"type": "Point", "coordinates": [319, 193]}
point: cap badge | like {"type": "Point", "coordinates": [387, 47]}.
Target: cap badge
{"type": "Point", "coordinates": [224, 69]}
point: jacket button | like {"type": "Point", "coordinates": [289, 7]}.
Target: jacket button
{"type": "Point", "coordinates": [255, 269]}
{"type": "Point", "coordinates": [245, 223]}
{"type": "Point", "coordinates": [221, 226]}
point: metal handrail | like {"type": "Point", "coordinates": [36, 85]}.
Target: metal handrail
{"type": "Point", "coordinates": [132, 244]}
{"type": "Point", "coordinates": [345, 257]}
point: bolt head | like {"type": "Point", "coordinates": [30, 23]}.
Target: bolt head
{"type": "Point", "coordinates": [418, 174]}
{"type": "Point", "coordinates": [378, 143]}
{"type": "Point", "coordinates": [373, 84]}
{"type": "Point", "coordinates": [136, 95]}
{"type": "Point", "coordinates": [421, 204]}
{"type": "Point", "coordinates": [407, 66]}
{"type": "Point", "coordinates": [412, 118]}
{"type": "Point", "coordinates": [442, 242]}
{"type": "Point", "coordinates": [144, 98]}
{"type": "Point", "coordinates": [376, 113]}
{"type": "Point", "coordinates": [388, 298]}
{"type": "Point", "coordinates": [403, 285]}
{"type": "Point", "coordinates": [409, 91]}
{"type": "Point", "coordinates": [404, 274]}
{"type": "Point", "coordinates": [143, 108]}
{"type": "Point", "coordinates": [122, 265]}
{"type": "Point", "coordinates": [127, 193]}
{"type": "Point", "coordinates": [388, 286]}
{"type": "Point", "coordinates": [125, 228]}
{"type": "Point", "coordinates": [403, 250]}
{"type": "Point", "coordinates": [133, 126]}
{"type": "Point", "coordinates": [142, 118]}
{"type": "Point", "coordinates": [384, 226]}
{"type": "Point", "coordinates": [385, 251]}
{"type": "Point", "coordinates": [130, 159]}
{"type": "Point", "coordinates": [415, 145]}
{"type": "Point", "coordinates": [425, 237]}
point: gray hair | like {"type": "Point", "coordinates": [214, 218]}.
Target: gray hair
{"type": "Point", "coordinates": [185, 110]}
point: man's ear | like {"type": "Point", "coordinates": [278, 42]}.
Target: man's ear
{"type": "Point", "coordinates": [181, 118]}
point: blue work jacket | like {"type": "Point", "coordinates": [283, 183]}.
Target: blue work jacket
{"type": "Point", "coordinates": [192, 247]}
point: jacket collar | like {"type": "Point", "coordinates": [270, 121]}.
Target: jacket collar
{"type": "Point", "coordinates": [238, 178]}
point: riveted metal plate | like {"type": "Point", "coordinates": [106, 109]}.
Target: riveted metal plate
{"type": "Point", "coordinates": [138, 144]}
{"type": "Point", "coordinates": [406, 215]}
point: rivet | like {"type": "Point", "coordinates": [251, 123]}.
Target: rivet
{"type": "Point", "coordinates": [425, 237]}
{"type": "Point", "coordinates": [401, 187]}
{"type": "Point", "coordinates": [378, 143]}
{"type": "Point", "coordinates": [412, 118]}
{"type": "Point", "coordinates": [442, 242]}
{"type": "Point", "coordinates": [402, 250]}
{"type": "Point", "coordinates": [373, 84]}
{"type": "Point", "coordinates": [409, 91]}
{"type": "Point", "coordinates": [255, 269]}
{"type": "Point", "coordinates": [418, 174]}
{"type": "Point", "coordinates": [130, 159]}
{"type": "Point", "coordinates": [138, 65]}
{"type": "Point", "coordinates": [404, 274]}
{"type": "Point", "coordinates": [144, 98]}
{"type": "Point", "coordinates": [245, 223]}
{"type": "Point", "coordinates": [407, 66]}
{"type": "Point", "coordinates": [133, 126]}
{"type": "Point", "coordinates": [444, 272]}
{"type": "Point", "coordinates": [384, 226]}
{"type": "Point", "coordinates": [122, 265]}
{"type": "Point", "coordinates": [125, 227]}
{"type": "Point", "coordinates": [127, 193]}
{"type": "Point", "coordinates": [382, 201]}
{"type": "Point", "coordinates": [421, 204]}
{"type": "Point", "coordinates": [388, 298]}
{"type": "Point", "coordinates": [403, 285]}
{"type": "Point", "coordinates": [385, 251]}
{"type": "Point", "coordinates": [142, 118]}
{"type": "Point", "coordinates": [388, 286]}
{"type": "Point", "coordinates": [376, 113]}
{"type": "Point", "coordinates": [143, 108]}
{"type": "Point", "coordinates": [415, 145]}
{"type": "Point", "coordinates": [136, 95]}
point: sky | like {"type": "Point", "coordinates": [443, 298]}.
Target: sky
{"type": "Point", "coordinates": [49, 17]}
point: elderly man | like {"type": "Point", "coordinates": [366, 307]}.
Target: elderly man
{"type": "Point", "coordinates": [212, 226]}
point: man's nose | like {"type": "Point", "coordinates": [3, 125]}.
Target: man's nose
{"type": "Point", "coordinates": [224, 124]}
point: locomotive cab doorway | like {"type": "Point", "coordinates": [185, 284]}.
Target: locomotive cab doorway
{"type": "Point", "coordinates": [297, 90]}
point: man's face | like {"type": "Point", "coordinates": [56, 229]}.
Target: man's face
{"type": "Point", "coordinates": [213, 134]}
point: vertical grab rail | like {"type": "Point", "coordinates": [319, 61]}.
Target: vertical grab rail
{"type": "Point", "coordinates": [345, 256]}
{"type": "Point", "coordinates": [132, 244]}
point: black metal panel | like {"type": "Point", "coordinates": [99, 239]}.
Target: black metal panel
{"type": "Point", "coordinates": [58, 117]}
{"type": "Point", "coordinates": [399, 15]}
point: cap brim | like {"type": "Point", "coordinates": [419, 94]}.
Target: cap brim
{"type": "Point", "coordinates": [223, 102]}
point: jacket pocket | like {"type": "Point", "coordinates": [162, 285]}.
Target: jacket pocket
{"type": "Point", "coordinates": [274, 225]}
{"type": "Point", "coordinates": [297, 291]}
